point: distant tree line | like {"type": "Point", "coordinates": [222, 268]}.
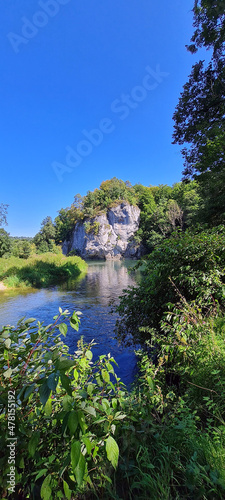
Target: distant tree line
{"type": "Point", "coordinates": [163, 209]}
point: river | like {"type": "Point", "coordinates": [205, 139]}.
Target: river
{"type": "Point", "coordinates": [91, 294]}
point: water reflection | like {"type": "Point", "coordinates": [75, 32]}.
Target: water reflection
{"type": "Point", "coordinates": [92, 295]}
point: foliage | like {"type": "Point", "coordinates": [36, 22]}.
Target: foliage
{"type": "Point", "coordinates": [194, 262]}
{"type": "Point", "coordinates": [67, 410]}
{"type": "Point", "coordinates": [45, 238]}
{"type": "Point", "coordinates": [114, 190]}
{"type": "Point", "coordinates": [164, 208]}
{"type": "Point", "coordinates": [181, 427]}
{"type": "Point", "coordinates": [209, 21]}
{"type": "Point", "coordinates": [22, 248]}
{"type": "Point", "coordinates": [64, 223]}
{"type": "Point", "coordinates": [199, 115]}
{"type": "Point", "coordinates": [5, 243]}
{"type": "Point", "coordinates": [80, 434]}
{"type": "Point", "coordinates": [40, 271]}
{"type": "Point", "coordinates": [92, 227]}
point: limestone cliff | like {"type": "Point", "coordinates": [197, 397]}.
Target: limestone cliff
{"type": "Point", "coordinates": [107, 236]}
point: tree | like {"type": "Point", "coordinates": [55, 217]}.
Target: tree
{"type": "Point", "coordinates": [45, 238]}
{"type": "Point", "coordinates": [5, 243]}
{"type": "Point", "coordinates": [199, 115]}
{"type": "Point", "coordinates": [209, 21]}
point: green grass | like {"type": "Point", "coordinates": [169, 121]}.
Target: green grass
{"type": "Point", "coordinates": [40, 270]}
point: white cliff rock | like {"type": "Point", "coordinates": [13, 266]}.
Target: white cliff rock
{"type": "Point", "coordinates": [107, 236]}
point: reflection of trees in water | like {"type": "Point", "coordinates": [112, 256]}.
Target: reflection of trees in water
{"type": "Point", "coordinates": [107, 281]}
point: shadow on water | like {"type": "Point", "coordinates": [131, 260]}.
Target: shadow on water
{"type": "Point", "coordinates": [92, 294]}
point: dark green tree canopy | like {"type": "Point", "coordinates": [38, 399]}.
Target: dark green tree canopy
{"type": "Point", "coordinates": [5, 242]}
{"type": "Point", "coordinates": [200, 114]}
{"type": "Point", "coordinates": [209, 21]}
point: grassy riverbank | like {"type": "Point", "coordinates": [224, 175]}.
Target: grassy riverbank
{"type": "Point", "coordinates": [40, 270]}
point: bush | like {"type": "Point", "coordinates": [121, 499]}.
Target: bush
{"type": "Point", "coordinates": [186, 263]}
{"type": "Point", "coordinates": [64, 411]}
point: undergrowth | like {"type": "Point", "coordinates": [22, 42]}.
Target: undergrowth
{"type": "Point", "coordinates": [39, 271]}
{"type": "Point", "coordinates": [82, 435]}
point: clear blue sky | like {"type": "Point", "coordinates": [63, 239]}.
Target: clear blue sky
{"type": "Point", "coordinates": [69, 66]}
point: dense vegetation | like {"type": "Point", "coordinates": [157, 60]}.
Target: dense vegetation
{"type": "Point", "coordinates": [190, 264]}
{"type": "Point", "coordinates": [80, 434]}
{"type": "Point", "coordinates": [163, 208]}
{"type": "Point", "coordinates": [40, 270]}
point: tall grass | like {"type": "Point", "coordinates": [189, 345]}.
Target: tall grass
{"type": "Point", "coordinates": [40, 270]}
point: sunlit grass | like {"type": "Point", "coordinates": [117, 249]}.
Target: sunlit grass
{"type": "Point", "coordinates": [40, 270]}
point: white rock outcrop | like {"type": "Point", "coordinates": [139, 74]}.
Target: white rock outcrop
{"type": "Point", "coordinates": [115, 235]}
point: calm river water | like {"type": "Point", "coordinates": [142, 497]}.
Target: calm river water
{"type": "Point", "coordinates": [92, 295]}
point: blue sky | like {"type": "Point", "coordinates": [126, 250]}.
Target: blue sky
{"type": "Point", "coordinates": [88, 90]}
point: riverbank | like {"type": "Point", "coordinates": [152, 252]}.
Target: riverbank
{"type": "Point", "coordinates": [39, 271]}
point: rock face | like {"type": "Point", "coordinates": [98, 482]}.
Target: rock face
{"type": "Point", "coordinates": [107, 236]}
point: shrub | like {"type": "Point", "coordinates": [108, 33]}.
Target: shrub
{"type": "Point", "coordinates": [196, 265]}
{"type": "Point", "coordinates": [64, 410]}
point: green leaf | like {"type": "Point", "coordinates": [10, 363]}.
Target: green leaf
{"type": "Point", "coordinates": [44, 393]}
{"type": "Point", "coordinates": [41, 473]}
{"type": "Point", "coordinates": [81, 420]}
{"type": "Point", "coordinates": [21, 463]}
{"type": "Point", "coordinates": [67, 491]}
{"type": "Point", "coordinates": [75, 454]}
{"type": "Point", "coordinates": [99, 381]}
{"type": "Point", "coordinates": [52, 381]}
{"type": "Point", "coordinates": [7, 343]}
{"type": "Point", "coordinates": [119, 416]}
{"type": "Point", "coordinates": [28, 391]}
{"type": "Point", "coordinates": [72, 421]}
{"type": "Point", "coordinates": [63, 329]}
{"type": "Point", "coordinates": [48, 407]}
{"type": "Point", "coordinates": [64, 364]}
{"type": "Point", "coordinates": [105, 375]}
{"type": "Point", "coordinates": [8, 373]}
{"type": "Point", "coordinates": [80, 470]}
{"type": "Point", "coordinates": [112, 451]}
{"type": "Point", "coordinates": [74, 325]}
{"type": "Point", "coordinates": [89, 445]}
{"type": "Point", "coordinates": [32, 445]}
{"type": "Point", "coordinates": [90, 410]}
{"type": "Point", "coordinates": [46, 491]}
{"type": "Point", "coordinates": [66, 383]}
{"type": "Point", "coordinates": [89, 355]}
{"type": "Point", "coordinates": [67, 402]}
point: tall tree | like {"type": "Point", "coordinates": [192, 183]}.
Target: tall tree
{"type": "Point", "coordinates": [200, 114]}
{"type": "Point", "coordinates": [45, 238]}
